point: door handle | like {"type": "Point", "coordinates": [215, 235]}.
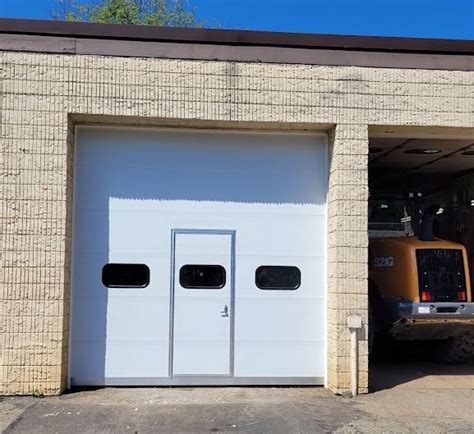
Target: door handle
{"type": "Point", "coordinates": [225, 312]}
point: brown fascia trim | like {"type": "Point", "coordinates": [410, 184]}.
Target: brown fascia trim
{"type": "Point", "coordinates": [237, 46]}
{"type": "Point", "coordinates": [235, 37]}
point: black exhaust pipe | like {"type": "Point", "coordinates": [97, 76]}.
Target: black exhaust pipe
{"type": "Point", "coordinates": [427, 223]}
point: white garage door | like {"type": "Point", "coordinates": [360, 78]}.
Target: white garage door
{"type": "Point", "coordinates": [198, 257]}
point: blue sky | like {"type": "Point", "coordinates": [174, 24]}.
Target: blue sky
{"type": "Point", "coordinates": [414, 18]}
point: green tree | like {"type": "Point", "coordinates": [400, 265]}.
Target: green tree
{"type": "Point", "coordinates": [172, 13]}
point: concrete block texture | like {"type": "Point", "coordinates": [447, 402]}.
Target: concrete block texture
{"type": "Point", "coordinates": [43, 95]}
{"type": "Point", "coordinates": [347, 253]}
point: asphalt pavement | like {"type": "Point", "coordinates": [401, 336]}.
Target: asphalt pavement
{"type": "Point", "coordinates": [405, 398]}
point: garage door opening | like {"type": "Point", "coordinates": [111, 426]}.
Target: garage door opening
{"type": "Point", "coordinates": [199, 257]}
{"type": "Point", "coordinates": [421, 249]}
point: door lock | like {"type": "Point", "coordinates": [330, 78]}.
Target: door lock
{"type": "Point", "coordinates": [225, 312]}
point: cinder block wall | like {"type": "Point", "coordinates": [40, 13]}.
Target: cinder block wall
{"type": "Point", "coordinates": [41, 95]}
{"type": "Point", "coordinates": [347, 251]}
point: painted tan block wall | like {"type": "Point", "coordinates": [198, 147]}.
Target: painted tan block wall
{"type": "Point", "coordinates": [41, 95]}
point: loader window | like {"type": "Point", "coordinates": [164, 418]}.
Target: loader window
{"type": "Point", "coordinates": [390, 217]}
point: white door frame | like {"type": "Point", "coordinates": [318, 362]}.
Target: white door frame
{"type": "Point", "coordinates": [175, 232]}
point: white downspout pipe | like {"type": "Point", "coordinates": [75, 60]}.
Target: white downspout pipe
{"type": "Point", "coordinates": [354, 323]}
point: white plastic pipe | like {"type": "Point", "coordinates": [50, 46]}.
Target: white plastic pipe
{"type": "Point", "coordinates": [354, 363]}
{"type": "Point", "coordinates": [354, 322]}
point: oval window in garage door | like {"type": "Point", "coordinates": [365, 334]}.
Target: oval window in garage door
{"type": "Point", "coordinates": [125, 275]}
{"type": "Point", "coordinates": [278, 277]}
{"type": "Point", "coordinates": [202, 276]}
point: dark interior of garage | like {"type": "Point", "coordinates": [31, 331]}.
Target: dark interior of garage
{"type": "Point", "coordinates": [421, 235]}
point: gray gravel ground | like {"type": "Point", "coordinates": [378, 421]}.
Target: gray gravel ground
{"type": "Point", "coordinates": [408, 398]}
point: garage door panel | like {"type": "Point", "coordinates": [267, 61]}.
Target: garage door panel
{"type": "Point", "coordinates": [281, 235]}
{"type": "Point", "coordinates": [129, 231]}
{"type": "Point", "coordinates": [92, 364]}
{"type": "Point", "coordinates": [121, 318]}
{"type": "Point", "coordinates": [133, 188]}
{"type": "Point", "coordinates": [312, 270]}
{"type": "Point", "coordinates": [250, 151]}
{"type": "Point", "coordinates": [88, 319]}
{"type": "Point", "coordinates": [87, 366]}
{"type": "Point", "coordinates": [137, 232]}
{"type": "Point", "coordinates": [143, 320]}
{"type": "Point", "coordinates": [88, 275]}
{"type": "Point", "coordinates": [215, 246]}
{"type": "Point", "coordinates": [121, 231]}
{"type": "Point", "coordinates": [177, 207]}
{"type": "Point", "coordinates": [276, 320]}
{"type": "Point", "coordinates": [200, 185]}
{"type": "Point", "coordinates": [214, 365]}
{"type": "Point", "coordinates": [90, 231]}
{"type": "Point", "coordinates": [274, 359]}
{"type": "Point", "coordinates": [207, 307]}
{"type": "Point", "coordinates": [144, 359]}
{"type": "Point", "coordinates": [259, 234]}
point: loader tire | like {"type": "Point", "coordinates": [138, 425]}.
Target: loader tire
{"type": "Point", "coordinates": [458, 350]}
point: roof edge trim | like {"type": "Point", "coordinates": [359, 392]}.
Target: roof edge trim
{"type": "Point", "coordinates": [236, 37]}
